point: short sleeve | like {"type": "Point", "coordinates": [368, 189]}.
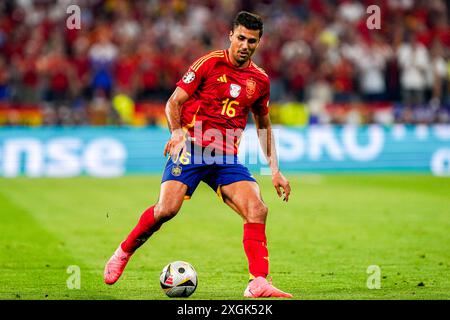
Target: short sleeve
{"type": "Point", "coordinates": [261, 106]}
{"type": "Point", "coordinates": [192, 79]}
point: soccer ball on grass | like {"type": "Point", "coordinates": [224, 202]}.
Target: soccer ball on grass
{"type": "Point", "coordinates": [178, 279]}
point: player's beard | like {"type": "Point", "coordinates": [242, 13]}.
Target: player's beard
{"type": "Point", "coordinates": [242, 58]}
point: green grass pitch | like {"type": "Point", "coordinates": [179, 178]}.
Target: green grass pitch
{"type": "Point", "coordinates": [321, 243]}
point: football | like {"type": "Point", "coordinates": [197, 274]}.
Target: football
{"type": "Point", "coordinates": [178, 279]}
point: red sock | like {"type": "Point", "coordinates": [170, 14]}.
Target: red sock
{"type": "Point", "coordinates": [142, 231]}
{"type": "Point", "coordinates": [255, 246]}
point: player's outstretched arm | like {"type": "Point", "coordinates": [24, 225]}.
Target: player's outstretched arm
{"type": "Point", "coordinates": [173, 113]}
{"type": "Point", "coordinates": [267, 142]}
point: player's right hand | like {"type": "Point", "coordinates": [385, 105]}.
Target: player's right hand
{"type": "Point", "coordinates": [175, 145]}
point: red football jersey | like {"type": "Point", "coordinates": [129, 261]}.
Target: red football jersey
{"type": "Point", "coordinates": [220, 97]}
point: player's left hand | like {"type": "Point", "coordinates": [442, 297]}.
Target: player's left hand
{"type": "Point", "coordinates": [282, 186]}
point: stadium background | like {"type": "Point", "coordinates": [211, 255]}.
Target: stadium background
{"type": "Point", "coordinates": [88, 103]}
{"type": "Point", "coordinates": [326, 67]}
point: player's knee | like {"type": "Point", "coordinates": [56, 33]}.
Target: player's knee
{"type": "Point", "coordinates": [257, 213]}
{"type": "Point", "coordinates": [165, 212]}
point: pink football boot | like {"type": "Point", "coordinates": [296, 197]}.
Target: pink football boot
{"type": "Point", "coordinates": [261, 288]}
{"type": "Point", "coordinates": [115, 265]}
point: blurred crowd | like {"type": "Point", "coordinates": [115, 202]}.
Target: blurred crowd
{"type": "Point", "coordinates": [318, 52]}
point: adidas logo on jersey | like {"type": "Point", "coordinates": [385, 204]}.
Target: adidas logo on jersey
{"type": "Point", "coordinates": [222, 79]}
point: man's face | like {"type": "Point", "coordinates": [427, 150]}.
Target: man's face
{"type": "Point", "coordinates": [243, 43]}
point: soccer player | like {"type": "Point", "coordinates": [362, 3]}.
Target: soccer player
{"type": "Point", "coordinates": [213, 100]}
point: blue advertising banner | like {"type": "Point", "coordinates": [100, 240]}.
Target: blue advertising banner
{"type": "Point", "coordinates": [112, 152]}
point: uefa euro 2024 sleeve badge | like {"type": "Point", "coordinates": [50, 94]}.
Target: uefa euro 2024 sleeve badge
{"type": "Point", "coordinates": [235, 90]}
{"type": "Point", "coordinates": [189, 77]}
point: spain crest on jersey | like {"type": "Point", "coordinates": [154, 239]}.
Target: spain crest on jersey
{"type": "Point", "coordinates": [235, 90]}
{"type": "Point", "coordinates": [250, 87]}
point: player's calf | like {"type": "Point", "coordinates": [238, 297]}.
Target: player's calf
{"type": "Point", "coordinates": [256, 212]}
{"type": "Point", "coordinates": [164, 212]}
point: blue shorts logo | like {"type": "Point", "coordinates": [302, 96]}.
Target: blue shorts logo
{"type": "Point", "coordinates": [176, 171]}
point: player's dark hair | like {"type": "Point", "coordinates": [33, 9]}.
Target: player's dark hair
{"type": "Point", "coordinates": [249, 20]}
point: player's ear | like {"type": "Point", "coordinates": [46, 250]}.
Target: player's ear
{"type": "Point", "coordinates": [230, 36]}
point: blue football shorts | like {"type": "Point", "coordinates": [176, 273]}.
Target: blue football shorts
{"type": "Point", "coordinates": [215, 170]}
